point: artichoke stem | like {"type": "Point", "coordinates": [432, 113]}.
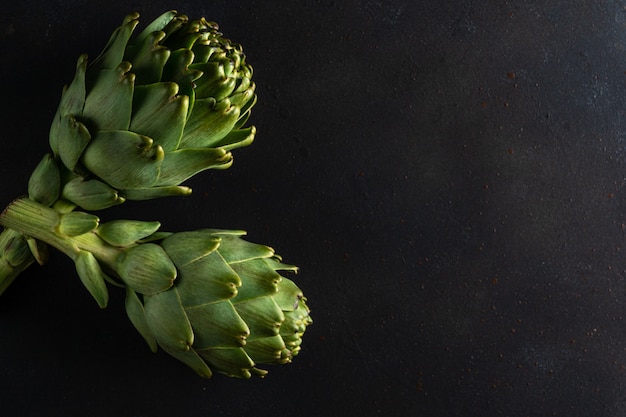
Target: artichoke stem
{"type": "Point", "coordinates": [35, 220]}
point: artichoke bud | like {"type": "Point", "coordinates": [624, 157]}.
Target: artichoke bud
{"type": "Point", "coordinates": [92, 277]}
{"type": "Point", "coordinates": [91, 194]}
{"type": "Point", "coordinates": [126, 232]}
{"type": "Point", "coordinates": [44, 184]}
{"type": "Point", "coordinates": [76, 223]}
{"type": "Point", "coordinates": [228, 311]}
{"type": "Point", "coordinates": [179, 84]}
{"type": "Point", "coordinates": [146, 268]}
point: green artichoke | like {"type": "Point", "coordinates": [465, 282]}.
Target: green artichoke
{"type": "Point", "coordinates": [209, 298]}
{"type": "Point", "coordinates": [151, 111]}
{"type": "Point", "coordinates": [229, 309]}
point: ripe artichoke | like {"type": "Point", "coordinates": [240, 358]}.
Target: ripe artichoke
{"type": "Point", "coordinates": [207, 297]}
{"type": "Point", "coordinates": [151, 111]}
{"type": "Point", "coordinates": [229, 308]}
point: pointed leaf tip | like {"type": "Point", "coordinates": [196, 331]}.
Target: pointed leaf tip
{"type": "Point", "coordinates": [92, 277]}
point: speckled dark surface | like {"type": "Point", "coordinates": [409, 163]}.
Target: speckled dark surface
{"type": "Point", "coordinates": [449, 176]}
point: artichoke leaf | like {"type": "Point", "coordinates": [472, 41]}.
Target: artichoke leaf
{"type": "Point", "coordinates": [230, 361]}
{"type": "Point", "coordinates": [191, 359]}
{"type": "Point", "coordinates": [234, 249]}
{"type": "Point", "coordinates": [173, 26]}
{"type": "Point", "coordinates": [214, 82]}
{"type": "Point", "coordinates": [244, 83]}
{"type": "Point", "coordinates": [148, 58]}
{"type": "Point", "coordinates": [76, 223]}
{"type": "Point", "coordinates": [44, 184]}
{"type": "Point", "coordinates": [177, 70]}
{"type": "Point", "coordinates": [124, 159]}
{"type": "Point", "coordinates": [244, 113]}
{"type": "Point", "coordinates": [221, 326]}
{"type": "Point", "coordinates": [180, 165]}
{"type": "Point", "coordinates": [289, 296]}
{"type": "Point", "coordinates": [155, 192]}
{"type": "Point", "coordinates": [73, 98]}
{"type": "Point", "coordinates": [275, 263]}
{"type": "Point", "coordinates": [262, 315]}
{"type": "Point", "coordinates": [160, 113]}
{"type": "Point", "coordinates": [258, 280]}
{"type": "Point", "coordinates": [267, 350]}
{"type": "Point", "coordinates": [109, 102]}
{"type": "Point", "coordinates": [92, 277]}
{"type": "Point", "coordinates": [71, 138]}
{"type": "Point", "coordinates": [209, 122]}
{"type": "Point", "coordinates": [237, 139]}
{"type": "Point", "coordinates": [137, 316]}
{"type": "Point", "coordinates": [224, 232]}
{"type": "Point", "coordinates": [240, 99]}
{"type": "Point", "coordinates": [157, 25]}
{"type": "Point", "coordinates": [185, 39]}
{"type": "Point", "coordinates": [126, 232]}
{"type": "Point", "coordinates": [113, 52]}
{"type": "Point", "coordinates": [146, 268]}
{"type": "Point", "coordinates": [91, 194]}
{"type": "Point", "coordinates": [187, 247]}
{"type": "Point", "coordinates": [207, 280]}
{"type": "Point", "coordinates": [168, 321]}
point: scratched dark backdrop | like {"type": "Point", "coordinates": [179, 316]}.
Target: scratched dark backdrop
{"type": "Point", "coordinates": [449, 176]}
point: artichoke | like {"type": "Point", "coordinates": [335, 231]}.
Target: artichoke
{"type": "Point", "coordinates": [229, 308]}
{"type": "Point", "coordinates": [208, 298]}
{"type": "Point", "coordinates": [151, 111]}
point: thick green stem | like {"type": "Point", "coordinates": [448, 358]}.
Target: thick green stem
{"type": "Point", "coordinates": [40, 222]}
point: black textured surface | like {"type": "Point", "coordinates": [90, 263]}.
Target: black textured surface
{"type": "Point", "coordinates": [449, 176]}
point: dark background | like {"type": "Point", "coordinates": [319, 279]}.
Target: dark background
{"type": "Point", "coordinates": [449, 176]}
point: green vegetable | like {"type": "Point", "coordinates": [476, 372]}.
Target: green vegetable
{"type": "Point", "coordinates": [152, 111]}
{"type": "Point", "coordinates": [147, 114]}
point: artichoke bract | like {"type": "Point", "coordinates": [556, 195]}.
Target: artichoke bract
{"type": "Point", "coordinates": [151, 111]}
